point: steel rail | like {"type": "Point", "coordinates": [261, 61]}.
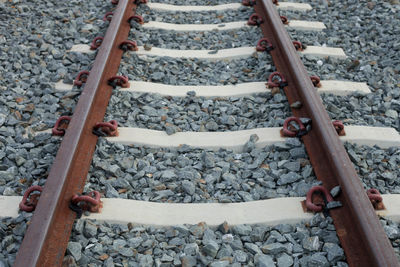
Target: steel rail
{"type": "Point", "coordinates": [360, 232]}
{"type": "Point", "coordinates": [47, 236]}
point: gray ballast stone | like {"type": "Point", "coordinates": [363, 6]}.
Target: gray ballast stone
{"type": "Point", "coordinates": [334, 205]}
{"type": "Point", "coordinates": [242, 229]}
{"type": "Point", "coordinates": [223, 263]}
{"type": "Point", "coordinates": [127, 252]}
{"type": "Point", "coordinates": [253, 248]}
{"type": "Point", "coordinates": [311, 243]}
{"type": "Point", "coordinates": [335, 252]}
{"type": "Point", "coordinates": [225, 251]}
{"type": "Point", "coordinates": [119, 244]}
{"type": "Point", "coordinates": [318, 260]}
{"type": "Point", "coordinates": [135, 242]}
{"type": "Point", "coordinates": [211, 248]}
{"type": "Point", "coordinates": [264, 260]}
{"type": "Point", "coordinates": [284, 260]}
{"type": "Point", "coordinates": [335, 191]}
{"type": "Point", "coordinates": [289, 178]}
{"type": "Point", "coordinates": [188, 261]}
{"type": "Point", "coordinates": [391, 232]}
{"type": "Point", "coordinates": [145, 260]}
{"type": "Point", "coordinates": [188, 187]}
{"type": "Point", "coordinates": [240, 256]}
{"type": "Point", "coordinates": [90, 229]}
{"type": "Point", "coordinates": [274, 248]}
{"type": "Point", "coordinates": [74, 249]}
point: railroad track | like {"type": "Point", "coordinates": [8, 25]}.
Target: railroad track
{"type": "Point", "coordinates": [117, 88]}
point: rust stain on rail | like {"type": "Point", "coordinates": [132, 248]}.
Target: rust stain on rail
{"type": "Point", "coordinates": [360, 232]}
{"type": "Point", "coordinates": [47, 236]}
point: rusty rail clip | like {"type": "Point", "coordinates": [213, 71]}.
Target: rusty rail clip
{"type": "Point", "coordinates": [375, 198]}
{"type": "Point", "coordinates": [304, 126]}
{"type": "Point", "coordinates": [96, 43]}
{"type": "Point", "coordinates": [316, 81]}
{"type": "Point", "coordinates": [328, 203]}
{"type": "Point", "coordinates": [119, 80]}
{"type": "Point", "coordinates": [90, 202]}
{"type": "Point", "coordinates": [57, 130]}
{"type": "Point", "coordinates": [30, 205]}
{"type": "Point", "coordinates": [128, 45]}
{"type": "Point", "coordinates": [299, 46]}
{"type": "Point", "coordinates": [105, 129]}
{"type": "Point", "coordinates": [137, 18]}
{"type": "Point", "coordinates": [264, 45]}
{"type": "Point", "coordinates": [254, 20]}
{"type": "Point", "coordinates": [339, 127]}
{"type": "Point", "coordinates": [108, 16]}
{"type": "Point", "coordinates": [284, 20]}
{"type": "Point", "coordinates": [81, 78]}
{"type": "Point", "coordinates": [276, 79]}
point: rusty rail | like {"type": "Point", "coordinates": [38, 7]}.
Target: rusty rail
{"type": "Point", "coordinates": [357, 225]}
{"type": "Point", "coordinates": [47, 236]}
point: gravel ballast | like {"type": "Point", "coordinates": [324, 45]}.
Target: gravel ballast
{"type": "Point", "coordinates": [210, 40]}
{"type": "Point", "coordinates": [12, 231]}
{"type": "Point", "coordinates": [189, 175]}
{"type": "Point", "coordinates": [192, 113]}
{"type": "Point", "coordinates": [194, 175]}
{"type": "Point", "coordinates": [25, 162]}
{"type": "Point", "coordinates": [366, 31]}
{"type": "Point", "coordinates": [104, 244]}
{"type": "Point", "coordinates": [34, 41]}
{"type": "Point", "coordinates": [175, 71]}
{"type": "Point", "coordinates": [378, 168]}
{"type": "Point", "coordinates": [312, 244]}
{"type": "Point", "coordinates": [203, 17]}
{"type": "Point", "coordinates": [206, 40]}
